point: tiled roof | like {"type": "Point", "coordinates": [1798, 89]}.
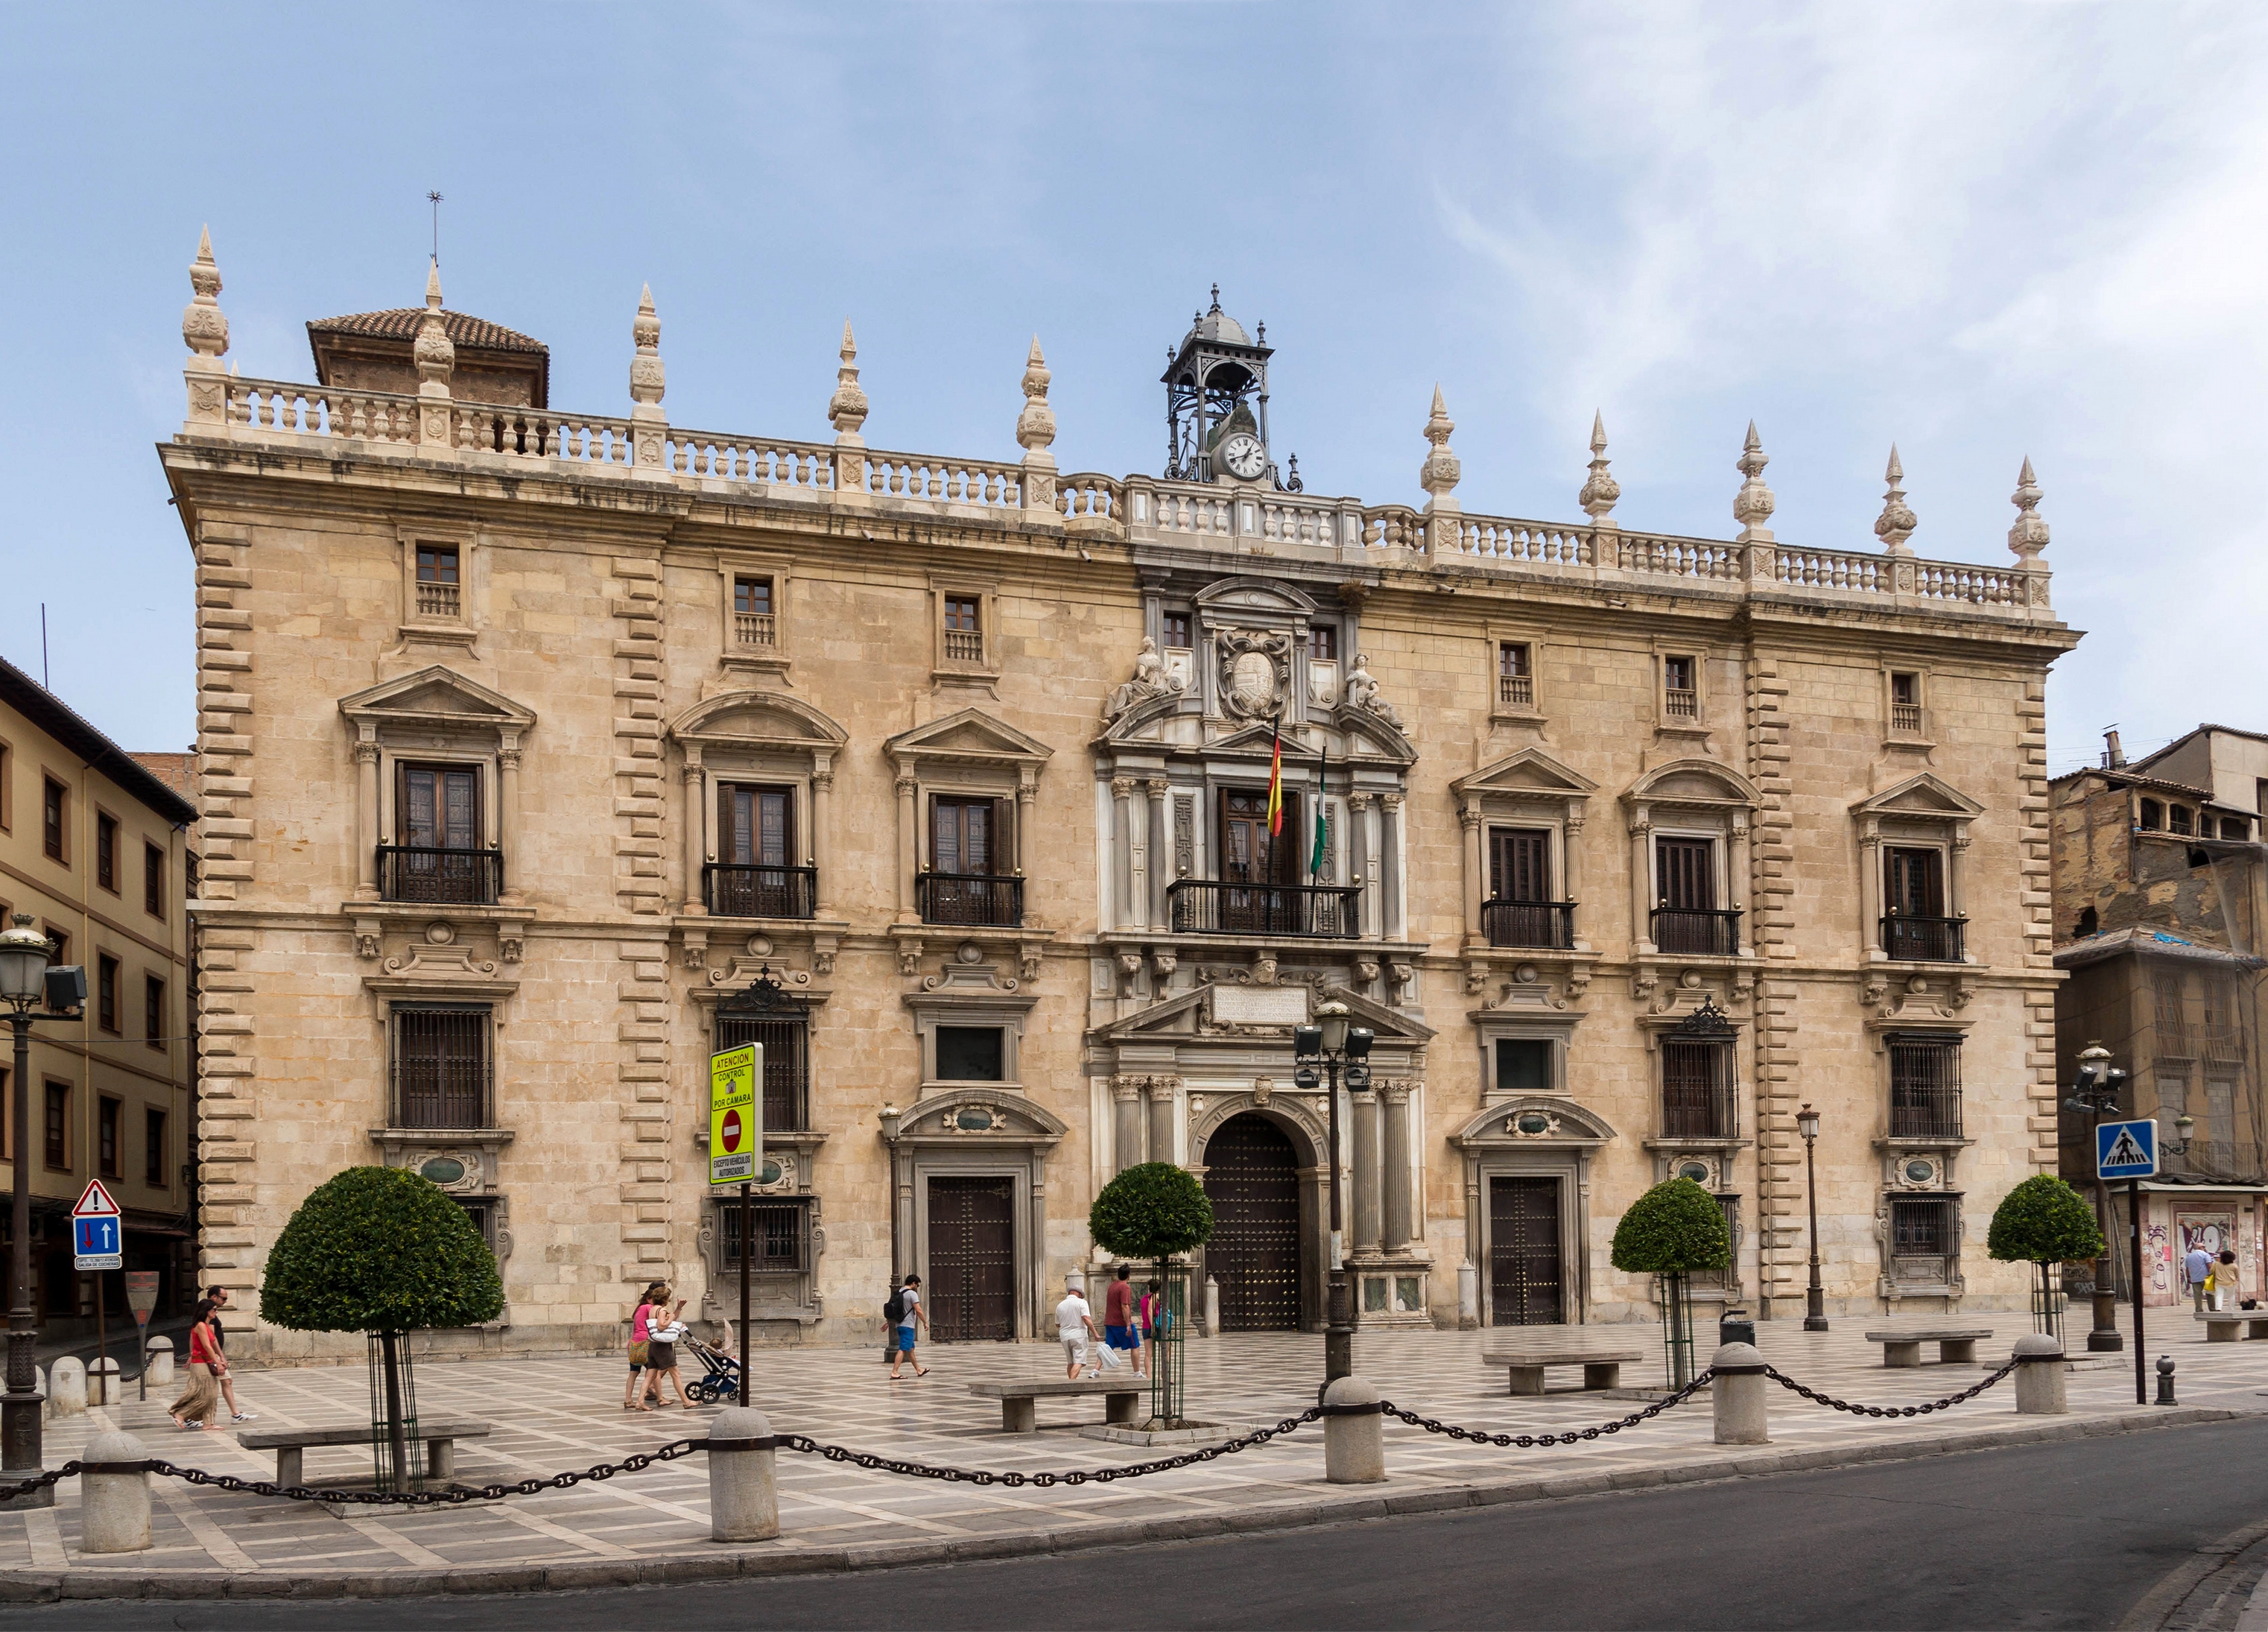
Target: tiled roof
{"type": "Point", "coordinates": [402, 324]}
{"type": "Point", "coordinates": [2125, 777]}
{"type": "Point", "coordinates": [44, 709]}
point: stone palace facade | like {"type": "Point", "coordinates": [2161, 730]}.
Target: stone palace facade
{"type": "Point", "coordinates": [543, 754]}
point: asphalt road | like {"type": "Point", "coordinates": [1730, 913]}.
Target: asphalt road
{"type": "Point", "coordinates": [2062, 1535]}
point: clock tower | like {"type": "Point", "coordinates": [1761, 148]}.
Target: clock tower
{"type": "Point", "coordinates": [1217, 405]}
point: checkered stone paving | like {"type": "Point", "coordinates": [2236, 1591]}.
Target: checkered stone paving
{"type": "Point", "coordinates": [550, 1416]}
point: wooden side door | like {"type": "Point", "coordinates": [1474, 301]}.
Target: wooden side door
{"type": "Point", "coordinates": [972, 1251]}
{"type": "Point", "coordinates": [1252, 1178]}
{"type": "Point", "coordinates": [1524, 1273]}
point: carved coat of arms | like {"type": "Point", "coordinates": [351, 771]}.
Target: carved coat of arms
{"type": "Point", "coordinates": [1255, 669]}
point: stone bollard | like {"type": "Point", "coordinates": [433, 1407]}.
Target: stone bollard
{"type": "Point", "coordinates": [1737, 1395]}
{"type": "Point", "coordinates": [1212, 1307]}
{"type": "Point", "coordinates": [67, 1386]}
{"type": "Point", "coordinates": [1354, 1433]}
{"type": "Point", "coordinates": [743, 1477]}
{"type": "Point", "coordinates": [102, 1382]}
{"type": "Point", "coordinates": [116, 1494]}
{"type": "Point", "coordinates": [2040, 1385]}
{"type": "Point", "coordinates": [2166, 1382]}
{"type": "Point", "coordinates": [161, 1362]}
{"type": "Point", "coordinates": [1468, 1297]}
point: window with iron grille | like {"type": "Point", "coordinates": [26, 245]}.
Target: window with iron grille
{"type": "Point", "coordinates": [441, 1066]}
{"type": "Point", "coordinates": [782, 1232]}
{"type": "Point", "coordinates": [482, 1211]}
{"type": "Point", "coordinates": [1924, 1088]}
{"type": "Point", "coordinates": [1697, 1090]}
{"type": "Point", "coordinates": [785, 1041]}
{"type": "Point", "coordinates": [1924, 1236]}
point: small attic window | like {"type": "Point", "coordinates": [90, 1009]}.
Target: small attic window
{"type": "Point", "coordinates": [2233, 827]}
{"type": "Point", "coordinates": [2154, 816]}
{"type": "Point", "coordinates": [2088, 921]}
{"type": "Point", "coordinates": [2180, 815]}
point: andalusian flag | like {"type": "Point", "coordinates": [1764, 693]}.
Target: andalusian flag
{"type": "Point", "coordinates": [1315, 859]}
{"type": "Point", "coordinates": [1275, 779]}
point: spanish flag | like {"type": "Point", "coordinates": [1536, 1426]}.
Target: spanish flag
{"type": "Point", "coordinates": [1275, 779]}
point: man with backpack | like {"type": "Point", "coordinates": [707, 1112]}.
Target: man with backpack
{"type": "Point", "coordinates": [902, 1313]}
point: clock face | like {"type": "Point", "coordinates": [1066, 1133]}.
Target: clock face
{"type": "Point", "coordinates": [1244, 456]}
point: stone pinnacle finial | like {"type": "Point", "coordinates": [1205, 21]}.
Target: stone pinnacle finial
{"type": "Point", "coordinates": [2029, 535]}
{"type": "Point", "coordinates": [432, 352]}
{"type": "Point", "coordinates": [1753, 505]}
{"type": "Point", "coordinates": [204, 327]}
{"type": "Point", "coordinates": [846, 409]}
{"type": "Point", "coordinates": [1599, 493]}
{"type": "Point", "coordinates": [649, 379]}
{"type": "Point", "coordinates": [1035, 426]}
{"type": "Point", "coordinates": [1897, 522]}
{"type": "Point", "coordinates": [1437, 476]}
{"type": "Point", "coordinates": [1216, 297]}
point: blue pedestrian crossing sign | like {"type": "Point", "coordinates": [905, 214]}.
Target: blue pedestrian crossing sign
{"type": "Point", "coordinates": [2127, 1149]}
{"type": "Point", "coordinates": [96, 1241]}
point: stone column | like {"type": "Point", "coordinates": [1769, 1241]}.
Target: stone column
{"type": "Point", "coordinates": [1389, 866]}
{"type": "Point", "coordinates": [1475, 871]}
{"type": "Point", "coordinates": [508, 819]}
{"type": "Point", "coordinates": [1396, 1160]}
{"type": "Point", "coordinates": [1738, 886]}
{"type": "Point", "coordinates": [1366, 1170]}
{"type": "Point", "coordinates": [1641, 834]}
{"type": "Point", "coordinates": [1162, 1100]}
{"type": "Point", "coordinates": [1160, 851]}
{"type": "Point", "coordinates": [908, 848]}
{"type": "Point", "coordinates": [1956, 874]}
{"type": "Point", "coordinates": [1870, 887]}
{"type": "Point", "coordinates": [1570, 881]}
{"type": "Point", "coordinates": [1126, 1130]}
{"type": "Point", "coordinates": [1358, 850]}
{"type": "Point", "coordinates": [697, 827]}
{"type": "Point", "coordinates": [1122, 852]}
{"type": "Point", "coordinates": [366, 821]}
{"type": "Point", "coordinates": [823, 836]}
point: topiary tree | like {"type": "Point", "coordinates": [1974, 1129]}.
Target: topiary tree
{"type": "Point", "coordinates": [1671, 1231]}
{"type": "Point", "coordinates": [383, 1250]}
{"type": "Point", "coordinates": [1153, 1210]}
{"type": "Point", "coordinates": [2046, 1221]}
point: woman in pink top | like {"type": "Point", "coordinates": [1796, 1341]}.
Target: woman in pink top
{"type": "Point", "coordinates": [641, 1337]}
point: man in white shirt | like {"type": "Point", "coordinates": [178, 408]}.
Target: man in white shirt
{"type": "Point", "coordinates": [1075, 1324]}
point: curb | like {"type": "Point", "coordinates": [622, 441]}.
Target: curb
{"type": "Point", "coordinates": [46, 1586]}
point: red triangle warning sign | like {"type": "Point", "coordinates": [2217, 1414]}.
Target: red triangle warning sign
{"type": "Point", "coordinates": [95, 1203]}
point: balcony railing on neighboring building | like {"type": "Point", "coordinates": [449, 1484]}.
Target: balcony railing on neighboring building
{"type": "Point", "coordinates": [1206, 906]}
{"type": "Point", "coordinates": [428, 873]}
{"type": "Point", "coordinates": [2220, 1045]}
{"type": "Point", "coordinates": [975, 899]}
{"type": "Point", "coordinates": [754, 628]}
{"type": "Point", "coordinates": [732, 890]}
{"type": "Point", "coordinates": [1516, 691]}
{"type": "Point", "coordinates": [1923, 940]}
{"type": "Point", "coordinates": [1547, 923]}
{"type": "Point", "coordinates": [1713, 934]}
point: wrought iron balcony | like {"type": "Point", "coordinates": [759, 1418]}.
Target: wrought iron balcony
{"type": "Point", "coordinates": [974, 899]}
{"type": "Point", "coordinates": [1710, 934]}
{"type": "Point", "coordinates": [731, 890]}
{"type": "Point", "coordinates": [1922, 939]}
{"type": "Point", "coordinates": [1546, 924]}
{"type": "Point", "coordinates": [429, 873]}
{"type": "Point", "coordinates": [1206, 906]}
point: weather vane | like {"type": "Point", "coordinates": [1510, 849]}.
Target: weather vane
{"type": "Point", "coordinates": [435, 199]}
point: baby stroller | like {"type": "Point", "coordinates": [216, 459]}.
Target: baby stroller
{"type": "Point", "coordinates": [720, 1378]}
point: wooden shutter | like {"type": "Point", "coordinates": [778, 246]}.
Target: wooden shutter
{"type": "Point", "coordinates": [1520, 864]}
{"type": "Point", "coordinates": [1686, 878]}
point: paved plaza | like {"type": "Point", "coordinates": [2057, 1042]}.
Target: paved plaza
{"type": "Point", "coordinates": [555, 1414]}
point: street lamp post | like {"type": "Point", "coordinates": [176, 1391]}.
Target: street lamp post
{"type": "Point", "coordinates": [1319, 1051]}
{"type": "Point", "coordinates": [1815, 1296]}
{"type": "Point", "coordinates": [2095, 1093]}
{"type": "Point", "coordinates": [25, 978]}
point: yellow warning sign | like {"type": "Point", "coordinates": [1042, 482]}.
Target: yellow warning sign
{"type": "Point", "coordinates": [736, 1114]}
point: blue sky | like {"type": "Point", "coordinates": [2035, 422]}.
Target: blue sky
{"type": "Point", "coordinates": [1982, 231]}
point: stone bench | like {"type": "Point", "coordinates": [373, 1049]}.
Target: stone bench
{"type": "Point", "coordinates": [2221, 1328]}
{"type": "Point", "coordinates": [1019, 1400]}
{"type": "Point", "coordinates": [1957, 1345]}
{"type": "Point", "coordinates": [290, 1444]}
{"type": "Point", "coordinates": [1601, 1368]}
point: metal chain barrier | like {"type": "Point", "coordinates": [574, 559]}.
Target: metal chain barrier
{"type": "Point", "coordinates": [1817, 1398]}
{"type": "Point", "coordinates": [454, 1498]}
{"type": "Point", "coordinates": [1529, 1442]}
{"type": "Point", "coordinates": [39, 1481]}
{"type": "Point", "coordinates": [1102, 1475]}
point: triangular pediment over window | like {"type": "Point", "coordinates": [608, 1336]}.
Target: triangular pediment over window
{"type": "Point", "coordinates": [969, 737]}
{"type": "Point", "coordinates": [437, 696]}
{"type": "Point", "coordinates": [1530, 772]}
{"type": "Point", "coordinates": [1924, 795]}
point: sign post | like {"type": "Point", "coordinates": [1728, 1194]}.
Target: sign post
{"type": "Point", "coordinates": [736, 1153]}
{"type": "Point", "coordinates": [2129, 1150]}
{"type": "Point", "coordinates": [141, 1298]}
{"type": "Point", "coordinates": [96, 1244]}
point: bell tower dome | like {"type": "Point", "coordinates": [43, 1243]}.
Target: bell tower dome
{"type": "Point", "coordinates": [1217, 404]}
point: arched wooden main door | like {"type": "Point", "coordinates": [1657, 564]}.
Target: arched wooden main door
{"type": "Point", "coordinates": [1252, 1177]}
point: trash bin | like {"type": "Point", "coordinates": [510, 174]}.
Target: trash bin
{"type": "Point", "coordinates": [1734, 1327]}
